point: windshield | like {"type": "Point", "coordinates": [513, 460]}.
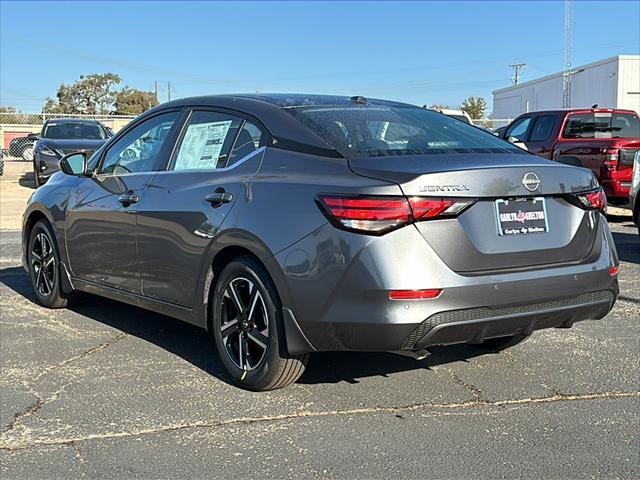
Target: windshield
{"type": "Point", "coordinates": [602, 125]}
{"type": "Point", "coordinates": [74, 130]}
{"type": "Point", "coordinates": [381, 130]}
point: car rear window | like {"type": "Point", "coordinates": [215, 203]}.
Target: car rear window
{"type": "Point", "coordinates": [383, 131]}
{"type": "Point", "coordinates": [602, 125]}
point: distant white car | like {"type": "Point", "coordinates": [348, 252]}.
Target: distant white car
{"type": "Point", "coordinates": [457, 114]}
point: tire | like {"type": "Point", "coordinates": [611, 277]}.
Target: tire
{"type": "Point", "coordinates": [502, 343]}
{"type": "Point", "coordinates": [265, 363]}
{"type": "Point", "coordinates": [36, 177]}
{"type": "Point", "coordinates": [44, 267]}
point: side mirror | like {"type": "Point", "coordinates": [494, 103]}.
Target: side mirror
{"type": "Point", "coordinates": [74, 164]}
{"type": "Point", "coordinates": [32, 136]}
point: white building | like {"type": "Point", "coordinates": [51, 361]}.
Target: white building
{"type": "Point", "coordinates": [611, 83]}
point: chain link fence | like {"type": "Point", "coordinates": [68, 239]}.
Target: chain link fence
{"type": "Point", "coordinates": [19, 133]}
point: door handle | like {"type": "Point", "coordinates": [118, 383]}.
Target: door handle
{"type": "Point", "coordinates": [217, 199]}
{"type": "Point", "coordinates": [128, 198]}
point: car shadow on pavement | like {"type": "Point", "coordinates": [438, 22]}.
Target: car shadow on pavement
{"type": "Point", "coordinates": [628, 246]}
{"type": "Point", "coordinates": [195, 346]}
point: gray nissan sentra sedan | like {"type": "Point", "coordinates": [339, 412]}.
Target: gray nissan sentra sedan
{"type": "Point", "coordinates": [290, 224]}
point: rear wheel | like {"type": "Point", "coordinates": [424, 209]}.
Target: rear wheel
{"type": "Point", "coordinates": [44, 267]}
{"type": "Point", "coordinates": [248, 329]}
{"type": "Point", "coordinates": [502, 343]}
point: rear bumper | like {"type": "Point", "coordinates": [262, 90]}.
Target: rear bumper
{"type": "Point", "coordinates": [340, 299]}
{"type": "Point", "coordinates": [479, 324]}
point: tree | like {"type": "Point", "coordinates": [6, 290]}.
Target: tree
{"type": "Point", "coordinates": [474, 106]}
{"type": "Point", "coordinates": [9, 114]}
{"type": "Point", "coordinates": [92, 94]}
{"type": "Point", "coordinates": [131, 101]}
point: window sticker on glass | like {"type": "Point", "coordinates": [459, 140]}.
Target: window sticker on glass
{"type": "Point", "coordinates": [202, 145]}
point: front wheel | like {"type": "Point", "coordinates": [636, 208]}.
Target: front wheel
{"type": "Point", "coordinates": [36, 177]}
{"type": "Point", "coordinates": [44, 267]}
{"type": "Point", "coordinates": [248, 328]}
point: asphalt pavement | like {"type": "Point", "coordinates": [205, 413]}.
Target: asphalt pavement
{"type": "Point", "coordinates": [106, 390]}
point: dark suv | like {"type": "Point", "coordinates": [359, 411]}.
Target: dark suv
{"type": "Point", "coordinates": [603, 140]}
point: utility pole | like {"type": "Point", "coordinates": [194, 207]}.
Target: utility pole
{"type": "Point", "coordinates": [516, 71]}
{"type": "Point", "coordinates": [568, 45]}
{"type": "Point", "coordinates": [169, 90]}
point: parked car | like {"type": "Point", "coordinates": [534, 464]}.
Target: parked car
{"type": "Point", "coordinates": [286, 225]}
{"type": "Point", "coordinates": [60, 137]}
{"type": "Point", "coordinates": [22, 147]}
{"type": "Point", "coordinates": [457, 114]}
{"type": "Point", "coordinates": [602, 140]}
{"type": "Point", "coordinates": [1, 162]}
{"type": "Point", "coordinates": [634, 196]}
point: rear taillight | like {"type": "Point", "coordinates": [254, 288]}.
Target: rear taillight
{"type": "Point", "coordinates": [593, 200]}
{"type": "Point", "coordinates": [611, 157]}
{"type": "Point", "coordinates": [377, 215]}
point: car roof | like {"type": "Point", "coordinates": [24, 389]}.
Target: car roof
{"type": "Point", "coordinates": [270, 110]}
{"type": "Point", "coordinates": [72, 120]}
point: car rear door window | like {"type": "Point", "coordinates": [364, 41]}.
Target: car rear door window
{"type": "Point", "coordinates": [542, 128]}
{"type": "Point", "coordinates": [519, 129]}
{"type": "Point", "coordinates": [602, 125]}
{"type": "Point", "coordinates": [207, 141]}
{"type": "Point", "coordinates": [248, 141]}
{"type": "Point", "coordinates": [138, 150]}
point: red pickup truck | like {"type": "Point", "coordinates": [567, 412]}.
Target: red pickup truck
{"type": "Point", "coordinates": [603, 140]}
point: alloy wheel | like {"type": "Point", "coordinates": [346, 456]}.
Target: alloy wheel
{"type": "Point", "coordinates": [43, 264]}
{"type": "Point", "coordinates": [244, 323]}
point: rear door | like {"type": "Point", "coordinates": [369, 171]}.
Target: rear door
{"type": "Point", "coordinates": [101, 218]}
{"type": "Point", "coordinates": [184, 206]}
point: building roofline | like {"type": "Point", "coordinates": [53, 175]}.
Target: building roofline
{"type": "Point", "coordinates": [559, 74]}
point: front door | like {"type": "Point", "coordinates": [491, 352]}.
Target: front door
{"type": "Point", "coordinates": [184, 207]}
{"type": "Point", "coordinates": [101, 217]}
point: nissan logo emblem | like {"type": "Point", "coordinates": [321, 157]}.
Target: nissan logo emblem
{"type": "Point", "coordinates": [531, 181]}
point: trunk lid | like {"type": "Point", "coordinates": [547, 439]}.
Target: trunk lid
{"type": "Point", "coordinates": [471, 243]}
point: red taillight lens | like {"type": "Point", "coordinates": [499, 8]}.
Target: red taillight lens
{"type": "Point", "coordinates": [380, 214]}
{"type": "Point", "coordinates": [594, 200]}
{"type": "Point", "coordinates": [414, 294]}
{"type": "Point", "coordinates": [613, 271]}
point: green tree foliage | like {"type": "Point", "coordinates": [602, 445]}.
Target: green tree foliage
{"type": "Point", "coordinates": [92, 94]}
{"type": "Point", "coordinates": [131, 101]}
{"type": "Point", "coordinates": [9, 114]}
{"type": "Point", "coordinates": [474, 106]}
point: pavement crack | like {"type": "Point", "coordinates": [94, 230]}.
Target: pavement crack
{"type": "Point", "coordinates": [80, 356]}
{"type": "Point", "coordinates": [8, 444]}
{"type": "Point", "coordinates": [475, 391]}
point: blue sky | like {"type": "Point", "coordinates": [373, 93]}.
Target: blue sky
{"type": "Point", "coordinates": [418, 52]}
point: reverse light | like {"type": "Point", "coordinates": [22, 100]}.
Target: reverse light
{"type": "Point", "coordinates": [377, 215]}
{"type": "Point", "coordinates": [414, 294]}
{"type": "Point", "coordinates": [611, 157]}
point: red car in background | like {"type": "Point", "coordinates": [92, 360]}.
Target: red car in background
{"type": "Point", "coordinates": [603, 140]}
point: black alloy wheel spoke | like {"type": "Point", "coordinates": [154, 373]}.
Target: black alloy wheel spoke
{"type": "Point", "coordinates": [244, 323]}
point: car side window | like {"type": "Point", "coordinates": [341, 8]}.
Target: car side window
{"type": "Point", "coordinates": [137, 151]}
{"type": "Point", "coordinates": [519, 129]}
{"type": "Point", "coordinates": [247, 142]}
{"type": "Point", "coordinates": [542, 128]}
{"type": "Point", "coordinates": [207, 141]}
